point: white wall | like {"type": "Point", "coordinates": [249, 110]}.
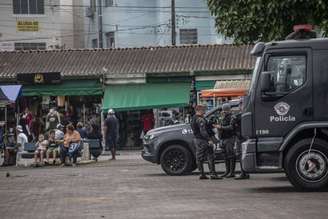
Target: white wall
{"type": "Point", "coordinates": [137, 27]}
{"type": "Point", "coordinates": [55, 26]}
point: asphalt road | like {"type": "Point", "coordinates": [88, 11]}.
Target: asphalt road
{"type": "Point", "coordinates": [133, 188]}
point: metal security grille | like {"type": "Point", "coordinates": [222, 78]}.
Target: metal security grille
{"type": "Point", "coordinates": [28, 6]}
{"type": "Point", "coordinates": [188, 36]}
{"type": "Point", "coordinates": [30, 46]}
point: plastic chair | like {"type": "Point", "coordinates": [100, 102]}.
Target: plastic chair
{"type": "Point", "coordinates": [28, 148]}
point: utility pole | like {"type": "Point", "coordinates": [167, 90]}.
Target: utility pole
{"type": "Point", "coordinates": [100, 25]}
{"type": "Point", "coordinates": [173, 22]}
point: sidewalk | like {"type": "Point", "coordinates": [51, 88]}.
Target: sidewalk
{"type": "Point", "coordinates": [121, 155]}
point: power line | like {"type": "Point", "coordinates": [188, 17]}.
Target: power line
{"type": "Point", "coordinates": [114, 6]}
{"type": "Point", "coordinates": [84, 32]}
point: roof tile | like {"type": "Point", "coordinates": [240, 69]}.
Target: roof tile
{"type": "Point", "coordinates": [95, 62]}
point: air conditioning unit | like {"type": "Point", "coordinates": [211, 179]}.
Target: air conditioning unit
{"type": "Point", "coordinates": [89, 12]}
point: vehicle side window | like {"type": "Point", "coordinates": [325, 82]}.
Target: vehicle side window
{"type": "Point", "coordinates": [288, 72]}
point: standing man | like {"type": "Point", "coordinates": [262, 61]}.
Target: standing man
{"type": "Point", "coordinates": [228, 136]}
{"type": "Point", "coordinates": [53, 119]}
{"type": "Point", "coordinates": [203, 142]}
{"type": "Point", "coordinates": [111, 130]}
{"type": "Point", "coordinates": [239, 140]}
{"type": "Point", "coordinates": [21, 141]}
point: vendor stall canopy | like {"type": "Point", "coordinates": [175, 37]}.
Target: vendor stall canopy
{"type": "Point", "coordinates": [9, 93]}
{"type": "Point", "coordinates": [228, 88]}
{"type": "Point", "coordinates": [67, 88]}
{"type": "Point", "coordinates": [146, 96]}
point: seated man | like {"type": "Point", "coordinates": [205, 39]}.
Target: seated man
{"type": "Point", "coordinates": [41, 148]}
{"type": "Point", "coordinates": [71, 145]}
{"type": "Point", "coordinates": [53, 147]}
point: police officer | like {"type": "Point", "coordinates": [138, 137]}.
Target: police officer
{"type": "Point", "coordinates": [239, 140]}
{"type": "Point", "coordinates": [227, 136]}
{"type": "Point", "coordinates": [203, 142]}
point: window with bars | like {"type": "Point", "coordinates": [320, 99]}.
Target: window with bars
{"type": "Point", "coordinates": [110, 39]}
{"type": "Point", "coordinates": [108, 3]}
{"type": "Point", "coordinates": [188, 36]}
{"type": "Point", "coordinates": [30, 46]}
{"type": "Point", "coordinates": [28, 6]}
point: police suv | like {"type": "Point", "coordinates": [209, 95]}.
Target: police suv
{"type": "Point", "coordinates": [285, 115]}
{"type": "Point", "coordinates": [173, 147]}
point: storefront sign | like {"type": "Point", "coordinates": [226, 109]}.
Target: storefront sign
{"type": "Point", "coordinates": [39, 78]}
{"type": "Point", "coordinates": [7, 46]}
{"type": "Point", "coordinates": [27, 26]}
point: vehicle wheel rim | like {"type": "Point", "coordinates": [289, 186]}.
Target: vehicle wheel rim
{"type": "Point", "coordinates": [175, 160]}
{"type": "Point", "coordinates": [312, 167]}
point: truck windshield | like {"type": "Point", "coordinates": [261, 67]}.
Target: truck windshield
{"type": "Point", "coordinates": [254, 74]}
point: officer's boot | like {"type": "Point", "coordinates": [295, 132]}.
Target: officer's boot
{"type": "Point", "coordinates": [227, 166]}
{"type": "Point", "coordinates": [232, 168]}
{"type": "Point", "coordinates": [211, 167]}
{"type": "Point", "coordinates": [201, 170]}
{"type": "Point", "coordinates": [242, 174]}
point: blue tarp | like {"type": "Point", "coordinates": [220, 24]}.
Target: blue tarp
{"type": "Point", "coordinates": [10, 92]}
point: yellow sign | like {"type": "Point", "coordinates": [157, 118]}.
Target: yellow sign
{"type": "Point", "coordinates": [27, 26]}
{"type": "Point", "coordinates": [38, 79]}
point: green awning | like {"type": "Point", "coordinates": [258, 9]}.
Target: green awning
{"type": "Point", "coordinates": [146, 96]}
{"type": "Point", "coordinates": [66, 88]}
{"type": "Point", "coordinates": [205, 85]}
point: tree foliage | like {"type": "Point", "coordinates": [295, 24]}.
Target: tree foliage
{"type": "Point", "coordinates": [248, 21]}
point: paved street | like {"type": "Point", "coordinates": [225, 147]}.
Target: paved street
{"type": "Point", "coordinates": [133, 188]}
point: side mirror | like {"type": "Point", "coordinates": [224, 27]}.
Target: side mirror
{"type": "Point", "coordinates": [265, 81]}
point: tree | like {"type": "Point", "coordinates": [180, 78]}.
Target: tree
{"type": "Point", "coordinates": [248, 21]}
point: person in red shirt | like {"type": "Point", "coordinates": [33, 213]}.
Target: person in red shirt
{"type": "Point", "coordinates": [148, 121]}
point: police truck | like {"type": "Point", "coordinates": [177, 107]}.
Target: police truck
{"type": "Point", "coordinates": [285, 115]}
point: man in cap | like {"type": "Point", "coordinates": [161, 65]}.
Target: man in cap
{"type": "Point", "coordinates": [21, 141]}
{"type": "Point", "coordinates": [227, 134]}
{"type": "Point", "coordinates": [203, 143]}
{"type": "Point", "coordinates": [111, 130]}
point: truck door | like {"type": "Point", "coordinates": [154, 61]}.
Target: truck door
{"type": "Point", "coordinates": [289, 100]}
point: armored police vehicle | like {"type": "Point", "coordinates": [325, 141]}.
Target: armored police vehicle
{"type": "Point", "coordinates": [173, 148]}
{"type": "Point", "coordinates": [285, 115]}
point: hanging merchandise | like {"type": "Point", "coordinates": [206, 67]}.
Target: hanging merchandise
{"type": "Point", "coordinates": [45, 100]}
{"type": "Point", "coordinates": [61, 101]}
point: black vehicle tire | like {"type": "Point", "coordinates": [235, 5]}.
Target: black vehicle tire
{"type": "Point", "coordinates": [176, 160]}
{"type": "Point", "coordinates": [299, 162]}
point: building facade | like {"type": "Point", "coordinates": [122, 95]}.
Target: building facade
{"type": "Point", "coordinates": [138, 23]}
{"type": "Point", "coordinates": [132, 81]}
{"type": "Point", "coordinates": [40, 24]}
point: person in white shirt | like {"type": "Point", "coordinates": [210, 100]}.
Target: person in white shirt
{"type": "Point", "coordinates": [59, 134]}
{"type": "Point", "coordinates": [21, 141]}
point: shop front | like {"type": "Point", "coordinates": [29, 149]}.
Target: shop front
{"type": "Point", "coordinates": [222, 91]}
{"type": "Point", "coordinates": [133, 102]}
{"type": "Point", "coordinates": [8, 96]}
{"type": "Point", "coordinates": [74, 100]}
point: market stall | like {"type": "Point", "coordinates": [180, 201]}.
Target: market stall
{"type": "Point", "coordinates": [8, 97]}
{"type": "Point", "coordinates": [223, 91]}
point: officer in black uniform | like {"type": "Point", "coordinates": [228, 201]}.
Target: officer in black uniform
{"type": "Point", "coordinates": [239, 140]}
{"type": "Point", "coordinates": [227, 135]}
{"type": "Point", "coordinates": [204, 143]}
